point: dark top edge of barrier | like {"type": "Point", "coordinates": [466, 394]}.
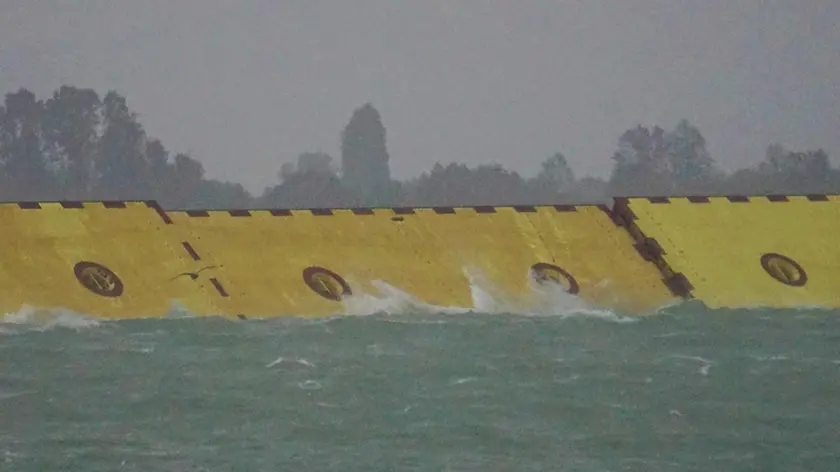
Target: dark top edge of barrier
{"type": "Point", "coordinates": [78, 204]}
{"type": "Point", "coordinates": [390, 211]}
{"type": "Point", "coordinates": [731, 198]}
{"type": "Point", "coordinates": [240, 212]}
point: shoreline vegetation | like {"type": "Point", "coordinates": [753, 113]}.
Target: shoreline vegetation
{"type": "Point", "coordinates": [77, 145]}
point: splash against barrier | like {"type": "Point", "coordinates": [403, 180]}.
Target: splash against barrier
{"type": "Point", "coordinates": [132, 259]}
{"type": "Point", "coordinates": [307, 261]}
{"type": "Point", "coordinates": [739, 251]}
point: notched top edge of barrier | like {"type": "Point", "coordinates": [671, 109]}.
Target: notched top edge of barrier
{"type": "Point", "coordinates": [77, 204]}
{"type": "Point", "coordinates": [242, 212]}
{"type": "Point", "coordinates": [86, 204]}
{"type": "Point", "coordinates": [389, 211]}
{"type": "Point", "coordinates": [732, 198]}
{"type": "Point", "coordinates": [619, 205]}
{"type": "Point", "coordinates": [449, 209]}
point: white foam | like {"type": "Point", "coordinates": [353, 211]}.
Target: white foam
{"type": "Point", "coordinates": [770, 358]}
{"type": "Point", "coordinates": [391, 300]}
{"type": "Point", "coordinates": [463, 380]}
{"type": "Point", "coordinates": [486, 298]}
{"type": "Point", "coordinates": [704, 368]}
{"type": "Point", "coordinates": [541, 300]}
{"type": "Point", "coordinates": [299, 361]}
{"type": "Point", "coordinates": [310, 385]}
{"type": "Point", "coordinates": [45, 319]}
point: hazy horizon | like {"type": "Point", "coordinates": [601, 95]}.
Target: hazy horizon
{"type": "Point", "coordinates": [246, 87]}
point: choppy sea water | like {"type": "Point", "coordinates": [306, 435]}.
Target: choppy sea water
{"type": "Point", "coordinates": [685, 389]}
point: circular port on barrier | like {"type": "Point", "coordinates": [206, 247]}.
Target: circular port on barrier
{"type": "Point", "coordinates": [784, 269]}
{"type": "Point", "coordinates": [550, 273]}
{"type": "Point", "coordinates": [98, 279]}
{"type": "Point", "coordinates": [326, 283]}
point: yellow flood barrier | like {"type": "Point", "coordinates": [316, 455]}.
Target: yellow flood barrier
{"type": "Point", "coordinates": [770, 251]}
{"type": "Point", "coordinates": [132, 259]}
{"type": "Point", "coordinates": [109, 259]}
{"type": "Point", "coordinates": [311, 262]}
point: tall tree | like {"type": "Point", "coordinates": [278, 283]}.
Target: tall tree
{"type": "Point", "coordinates": [796, 171]}
{"type": "Point", "coordinates": [457, 184]}
{"type": "Point", "coordinates": [315, 162]}
{"type": "Point", "coordinates": [25, 173]}
{"type": "Point", "coordinates": [160, 169]}
{"type": "Point", "coordinates": [641, 163]}
{"type": "Point", "coordinates": [312, 183]}
{"type": "Point", "coordinates": [122, 161]}
{"type": "Point", "coordinates": [71, 119]}
{"type": "Point", "coordinates": [184, 180]}
{"type": "Point", "coordinates": [692, 168]}
{"type": "Point", "coordinates": [364, 156]}
{"type": "Point", "coordinates": [555, 178]}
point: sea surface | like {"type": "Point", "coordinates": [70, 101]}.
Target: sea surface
{"type": "Point", "coordinates": [684, 389]}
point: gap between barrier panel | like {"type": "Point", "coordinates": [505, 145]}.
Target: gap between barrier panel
{"type": "Point", "coordinates": [649, 248]}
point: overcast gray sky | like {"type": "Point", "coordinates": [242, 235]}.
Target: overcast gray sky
{"type": "Point", "coordinates": [246, 85]}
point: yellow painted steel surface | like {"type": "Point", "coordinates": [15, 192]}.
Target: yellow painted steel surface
{"type": "Point", "coordinates": [49, 252]}
{"type": "Point", "coordinates": [132, 259]}
{"type": "Point", "coordinates": [722, 246]}
{"type": "Point", "coordinates": [600, 254]}
{"type": "Point", "coordinates": [437, 256]}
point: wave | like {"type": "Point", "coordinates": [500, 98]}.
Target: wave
{"type": "Point", "coordinates": [541, 300]}
{"type": "Point", "coordinates": [547, 300]}
{"type": "Point", "coordinates": [31, 318]}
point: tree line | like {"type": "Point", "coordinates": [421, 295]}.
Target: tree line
{"type": "Point", "coordinates": [77, 145]}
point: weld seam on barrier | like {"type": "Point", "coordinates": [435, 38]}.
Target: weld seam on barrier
{"type": "Point", "coordinates": [157, 208]}
{"type": "Point", "coordinates": [188, 247]}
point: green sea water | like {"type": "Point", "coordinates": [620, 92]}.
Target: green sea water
{"type": "Point", "coordinates": [686, 389]}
